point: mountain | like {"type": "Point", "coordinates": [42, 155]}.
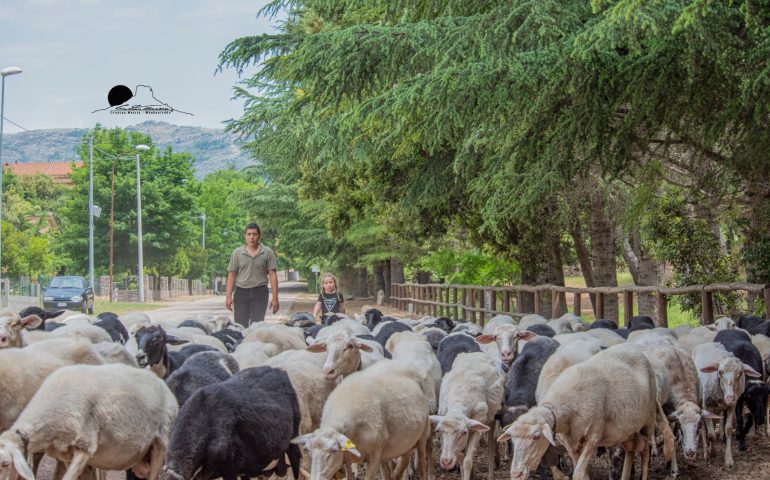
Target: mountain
{"type": "Point", "coordinates": [212, 148]}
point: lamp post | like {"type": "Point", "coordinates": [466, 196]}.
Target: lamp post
{"type": "Point", "coordinates": [4, 73]}
{"type": "Point", "coordinates": [91, 211]}
{"type": "Point", "coordinates": [203, 228]}
{"type": "Point", "coordinates": [140, 267]}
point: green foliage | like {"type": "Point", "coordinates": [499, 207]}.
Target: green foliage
{"type": "Point", "coordinates": [686, 243]}
{"type": "Point", "coordinates": [24, 253]}
{"type": "Point", "coordinates": [169, 194]}
{"type": "Point", "coordinates": [468, 267]}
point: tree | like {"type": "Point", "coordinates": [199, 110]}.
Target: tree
{"type": "Point", "coordinates": [169, 193]}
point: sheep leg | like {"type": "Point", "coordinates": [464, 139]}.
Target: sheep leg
{"type": "Point", "coordinates": [348, 472]}
{"type": "Point", "coordinates": [429, 456]}
{"type": "Point", "coordinates": [712, 437]}
{"type": "Point", "coordinates": [423, 448]}
{"type": "Point", "coordinates": [59, 471]}
{"type": "Point", "coordinates": [729, 434]}
{"type": "Point", "coordinates": [77, 465]}
{"type": "Point", "coordinates": [702, 429]}
{"type": "Point", "coordinates": [470, 455]}
{"type": "Point", "coordinates": [645, 461]}
{"type": "Point", "coordinates": [36, 459]}
{"type": "Point", "coordinates": [157, 457]}
{"type": "Point", "coordinates": [491, 450]}
{"type": "Point", "coordinates": [586, 453]}
{"type": "Point", "coordinates": [628, 463]}
{"type": "Point", "coordinates": [373, 467]}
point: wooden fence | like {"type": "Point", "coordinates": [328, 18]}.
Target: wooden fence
{"type": "Point", "coordinates": [470, 302]}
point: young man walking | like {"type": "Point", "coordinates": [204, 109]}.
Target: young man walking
{"type": "Point", "coordinates": [251, 266]}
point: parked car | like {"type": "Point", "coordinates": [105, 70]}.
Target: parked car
{"type": "Point", "coordinates": [69, 292]}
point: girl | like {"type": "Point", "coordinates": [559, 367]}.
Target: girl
{"type": "Point", "coordinates": [330, 300]}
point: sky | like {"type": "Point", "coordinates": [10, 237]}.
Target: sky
{"type": "Point", "coordinates": [73, 52]}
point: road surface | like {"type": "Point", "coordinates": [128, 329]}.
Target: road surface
{"type": "Point", "coordinates": [215, 305]}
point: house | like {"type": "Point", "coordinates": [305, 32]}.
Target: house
{"type": "Point", "coordinates": [58, 171]}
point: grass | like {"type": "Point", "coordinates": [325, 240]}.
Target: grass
{"type": "Point", "coordinates": [124, 307]}
{"type": "Point", "coordinates": [676, 316]}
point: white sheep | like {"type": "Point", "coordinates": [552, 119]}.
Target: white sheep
{"type": "Point", "coordinates": [346, 353]}
{"type": "Point", "coordinates": [471, 395]}
{"type": "Point", "coordinates": [254, 354]}
{"type": "Point", "coordinates": [111, 417]}
{"type": "Point", "coordinates": [12, 325]}
{"type": "Point", "coordinates": [372, 416]}
{"type": "Point", "coordinates": [283, 337]}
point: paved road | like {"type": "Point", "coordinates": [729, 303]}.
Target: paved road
{"type": "Point", "coordinates": [216, 305]}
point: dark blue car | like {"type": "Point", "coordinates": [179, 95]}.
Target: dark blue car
{"type": "Point", "coordinates": [72, 293]}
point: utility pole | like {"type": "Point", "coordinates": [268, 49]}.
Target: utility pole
{"type": "Point", "coordinates": [203, 234]}
{"type": "Point", "coordinates": [91, 211]}
{"type": "Point", "coordinates": [112, 222]}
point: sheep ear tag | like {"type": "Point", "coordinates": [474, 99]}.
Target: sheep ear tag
{"type": "Point", "coordinates": [348, 445]}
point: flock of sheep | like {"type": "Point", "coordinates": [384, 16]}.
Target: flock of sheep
{"type": "Point", "coordinates": [206, 399]}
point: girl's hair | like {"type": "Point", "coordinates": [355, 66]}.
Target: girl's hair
{"type": "Point", "coordinates": [336, 286]}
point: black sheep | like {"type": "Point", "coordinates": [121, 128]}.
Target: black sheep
{"type": "Point", "coordinates": [452, 346]}
{"type": "Point", "coordinates": [43, 314]}
{"type": "Point", "coordinates": [444, 323]}
{"type": "Point", "coordinates": [542, 329]}
{"type": "Point", "coordinates": [200, 370]}
{"type": "Point", "coordinates": [373, 317]}
{"type": "Point", "coordinates": [389, 329]}
{"type": "Point", "coordinates": [245, 432]}
{"type": "Point", "coordinates": [522, 376]}
{"type": "Point", "coordinates": [192, 323]}
{"type": "Point", "coordinates": [231, 338]}
{"type": "Point", "coordinates": [602, 323]}
{"type": "Point", "coordinates": [301, 319]}
{"type": "Point", "coordinates": [640, 322]}
{"type": "Point", "coordinates": [112, 325]}
{"type": "Point", "coordinates": [434, 337]}
{"type": "Point", "coordinates": [152, 352]}
{"type": "Point", "coordinates": [749, 322]}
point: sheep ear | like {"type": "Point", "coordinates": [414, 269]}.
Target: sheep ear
{"type": "Point", "coordinates": [347, 445]}
{"type": "Point", "coordinates": [707, 414]}
{"type": "Point", "coordinates": [477, 426]}
{"type": "Point", "coordinates": [712, 327]}
{"type": "Point", "coordinates": [174, 340]}
{"type": "Point", "coordinates": [436, 418]}
{"type": "Point", "coordinates": [361, 345]}
{"type": "Point", "coordinates": [673, 416]}
{"type": "Point", "coordinates": [317, 347]}
{"type": "Point", "coordinates": [31, 322]}
{"type": "Point", "coordinates": [548, 434]}
{"type": "Point", "coordinates": [526, 335]}
{"type": "Point", "coordinates": [53, 314]}
{"type": "Point", "coordinates": [505, 436]}
{"type": "Point", "coordinates": [302, 439]}
{"type": "Point", "coordinates": [750, 372]}
{"type": "Point", "coordinates": [710, 368]}
{"type": "Point", "coordinates": [20, 464]}
{"type": "Point", "coordinates": [485, 339]}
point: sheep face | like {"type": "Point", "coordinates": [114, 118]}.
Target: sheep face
{"type": "Point", "coordinates": [11, 325]}
{"type": "Point", "coordinates": [12, 461]}
{"type": "Point", "coordinates": [507, 337]}
{"type": "Point", "coordinates": [731, 380]}
{"type": "Point", "coordinates": [531, 435]}
{"type": "Point", "coordinates": [343, 354]}
{"type": "Point", "coordinates": [454, 428]}
{"type": "Point", "coordinates": [327, 449]}
{"type": "Point", "coordinates": [689, 416]}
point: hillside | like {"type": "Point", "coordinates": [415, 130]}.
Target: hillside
{"type": "Point", "coordinates": [212, 148]}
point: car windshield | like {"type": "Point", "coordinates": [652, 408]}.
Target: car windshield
{"type": "Point", "coordinates": [67, 282]}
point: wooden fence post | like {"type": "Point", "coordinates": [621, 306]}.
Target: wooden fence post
{"type": "Point", "coordinates": [662, 305]}
{"type": "Point", "coordinates": [599, 307]}
{"type": "Point", "coordinates": [434, 292]}
{"type": "Point", "coordinates": [555, 304]}
{"type": "Point", "coordinates": [492, 303]}
{"type": "Point", "coordinates": [538, 307]}
{"type": "Point", "coordinates": [520, 301]}
{"type": "Point", "coordinates": [707, 307]}
{"type": "Point", "coordinates": [455, 316]}
{"type": "Point", "coordinates": [507, 301]}
{"type": "Point", "coordinates": [472, 304]}
{"type": "Point", "coordinates": [766, 294]}
{"type": "Point", "coordinates": [628, 307]}
{"type": "Point", "coordinates": [483, 305]}
{"type": "Point", "coordinates": [465, 304]}
{"type": "Point", "coordinates": [576, 307]}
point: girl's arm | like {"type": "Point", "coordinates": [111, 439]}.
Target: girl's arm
{"type": "Point", "coordinates": [316, 309]}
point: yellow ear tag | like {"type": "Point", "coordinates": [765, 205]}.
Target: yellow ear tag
{"type": "Point", "coordinates": [348, 445]}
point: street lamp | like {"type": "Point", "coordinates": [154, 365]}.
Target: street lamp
{"type": "Point", "coordinates": [203, 228]}
{"type": "Point", "coordinates": [4, 73]}
{"type": "Point", "coordinates": [140, 268]}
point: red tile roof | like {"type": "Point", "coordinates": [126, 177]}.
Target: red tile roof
{"type": "Point", "coordinates": [59, 171]}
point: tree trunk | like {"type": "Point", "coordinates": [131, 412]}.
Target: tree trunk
{"type": "Point", "coordinates": [397, 271]}
{"type": "Point", "coordinates": [645, 270]}
{"type": "Point", "coordinates": [386, 278]}
{"type": "Point", "coordinates": [584, 258]}
{"type": "Point", "coordinates": [347, 278]}
{"type": "Point", "coordinates": [379, 281]}
{"type": "Point", "coordinates": [756, 235]}
{"type": "Point", "coordinates": [362, 276]}
{"type": "Point", "coordinates": [423, 276]}
{"type": "Point", "coordinates": [602, 231]}
{"type": "Point", "coordinates": [540, 264]}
